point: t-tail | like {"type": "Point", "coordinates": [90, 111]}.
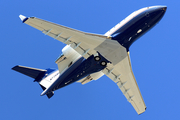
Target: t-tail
{"type": "Point", "coordinates": [44, 77]}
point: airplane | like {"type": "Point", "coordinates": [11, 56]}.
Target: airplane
{"type": "Point", "coordinates": [88, 56]}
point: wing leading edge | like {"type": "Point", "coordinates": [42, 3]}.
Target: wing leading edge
{"type": "Point", "coordinates": [86, 44]}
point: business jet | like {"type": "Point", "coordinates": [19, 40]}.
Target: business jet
{"type": "Point", "coordinates": [88, 56]}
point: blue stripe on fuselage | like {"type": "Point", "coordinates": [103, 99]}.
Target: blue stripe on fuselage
{"type": "Point", "coordinates": [80, 69]}
{"type": "Point", "coordinates": [65, 74]}
{"type": "Point", "coordinates": [127, 34]}
{"type": "Point", "coordinates": [87, 67]}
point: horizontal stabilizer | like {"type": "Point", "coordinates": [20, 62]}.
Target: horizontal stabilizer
{"type": "Point", "coordinates": [31, 72]}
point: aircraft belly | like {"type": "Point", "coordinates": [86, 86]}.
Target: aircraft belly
{"type": "Point", "coordinates": [87, 67]}
{"type": "Point", "coordinates": [112, 51]}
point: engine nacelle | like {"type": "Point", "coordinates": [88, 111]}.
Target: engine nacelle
{"type": "Point", "coordinates": [70, 52]}
{"type": "Point", "coordinates": [68, 57]}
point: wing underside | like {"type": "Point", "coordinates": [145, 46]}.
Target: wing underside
{"type": "Point", "coordinates": [83, 43]}
{"type": "Point", "coordinates": [123, 76]}
{"type": "Point", "coordinates": [86, 44]}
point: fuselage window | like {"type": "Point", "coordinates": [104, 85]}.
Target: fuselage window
{"type": "Point", "coordinates": [70, 64]}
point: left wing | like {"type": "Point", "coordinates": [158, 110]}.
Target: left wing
{"type": "Point", "coordinates": [83, 43]}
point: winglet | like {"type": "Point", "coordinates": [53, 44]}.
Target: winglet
{"type": "Point", "coordinates": [23, 18]}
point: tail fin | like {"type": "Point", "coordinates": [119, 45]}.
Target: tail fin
{"type": "Point", "coordinates": [35, 73]}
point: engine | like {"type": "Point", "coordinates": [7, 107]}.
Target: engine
{"type": "Point", "coordinates": [67, 58]}
{"type": "Point", "coordinates": [70, 52]}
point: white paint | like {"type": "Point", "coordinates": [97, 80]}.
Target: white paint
{"type": "Point", "coordinates": [22, 17]}
{"type": "Point", "coordinates": [50, 79]}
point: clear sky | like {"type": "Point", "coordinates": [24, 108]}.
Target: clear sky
{"type": "Point", "coordinates": [154, 57]}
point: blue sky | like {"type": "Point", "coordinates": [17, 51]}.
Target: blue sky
{"type": "Point", "coordinates": [154, 57]}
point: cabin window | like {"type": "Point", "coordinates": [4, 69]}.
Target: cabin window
{"type": "Point", "coordinates": [70, 64]}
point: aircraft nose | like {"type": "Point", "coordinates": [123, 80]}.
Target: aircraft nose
{"type": "Point", "coordinates": [162, 8]}
{"type": "Point", "coordinates": [156, 13]}
{"type": "Point", "coordinates": [156, 8]}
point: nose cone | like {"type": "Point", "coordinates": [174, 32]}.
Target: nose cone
{"type": "Point", "coordinates": [156, 13]}
{"type": "Point", "coordinates": [162, 8]}
{"type": "Point", "coordinates": [158, 8]}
